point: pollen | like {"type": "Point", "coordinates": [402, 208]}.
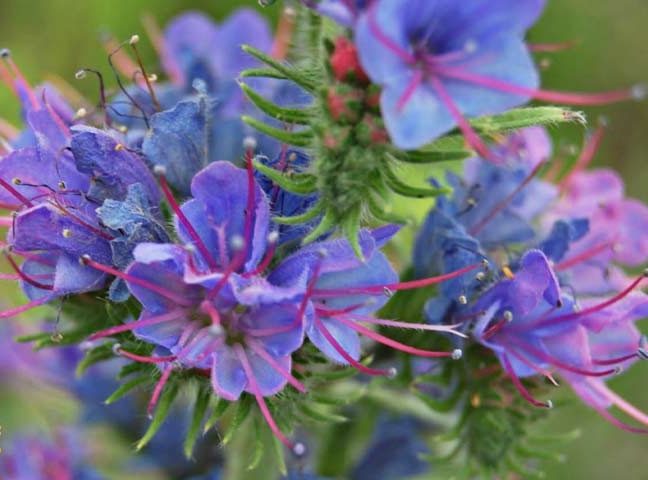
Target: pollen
{"type": "Point", "coordinates": [508, 273]}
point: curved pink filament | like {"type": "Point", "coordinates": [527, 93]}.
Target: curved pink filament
{"type": "Point", "coordinates": [159, 387]}
{"type": "Point", "coordinates": [344, 354]}
{"type": "Point", "coordinates": [519, 385]}
{"type": "Point", "coordinates": [260, 351]}
{"type": "Point", "coordinates": [249, 373]}
{"type": "Point", "coordinates": [377, 289]}
{"type": "Point", "coordinates": [145, 322]}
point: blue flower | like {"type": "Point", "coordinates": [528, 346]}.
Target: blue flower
{"type": "Point", "coordinates": [344, 12]}
{"type": "Point", "coordinates": [428, 56]}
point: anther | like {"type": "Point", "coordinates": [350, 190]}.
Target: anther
{"type": "Point", "coordinates": [134, 39]}
{"type": "Point", "coordinates": [16, 181]}
{"type": "Point", "coordinates": [57, 337]}
{"type": "Point", "coordinates": [508, 316]}
{"type": "Point", "coordinates": [457, 353]}
{"type": "Point", "coordinates": [237, 242]}
{"type": "Point", "coordinates": [249, 143]}
{"type": "Point", "coordinates": [159, 170]}
{"type": "Point", "coordinates": [152, 77]}
{"type": "Point", "coordinates": [462, 299]}
{"type": "Point", "coordinates": [67, 233]}
{"type": "Point", "coordinates": [119, 147]}
{"type": "Point", "coordinates": [299, 449]}
{"type": "Point", "coordinates": [618, 370]}
{"type": "Point", "coordinates": [62, 185]}
{"type": "Point", "coordinates": [480, 277]}
{"type": "Point", "coordinates": [273, 236]}
{"type": "Point", "coordinates": [485, 263]}
{"type": "Point", "coordinates": [80, 74]}
{"type": "Point", "coordinates": [215, 329]}
{"type": "Point", "coordinates": [292, 157]}
{"type": "Point", "coordinates": [388, 292]}
{"type": "Point", "coordinates": [122, 128]}
{"type": "Point", "coordinates": [85, 259]}
{"type": "Point", "coordinates": [5, 53]}
{"type": "Point", "coordinates": [549, 404]}
{"type": "Point", "coordinates": [80, 113]}
{"type": "Point", "coordinates": [642, 353]}
{"type": "Point", "coordinates": [116, 348]}
{"type": "Point", "coordinates": [392, 372]}
{"type": "Point", "coordinates": [199, 85]}
{"type": "Point", "coordinates": [639, 91]}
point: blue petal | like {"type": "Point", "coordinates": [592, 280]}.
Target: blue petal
{"type": "Point", "coordinates": [346, 337]}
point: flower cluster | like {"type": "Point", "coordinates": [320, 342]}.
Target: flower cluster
{"type": "Point", "coordinates": [208, 257]}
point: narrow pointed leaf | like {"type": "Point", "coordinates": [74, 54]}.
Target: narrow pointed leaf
{"type": "Point", "coordinates": [302, 138]}
{"type": "Point", "coordinates": [283, 114]}
{"type": "Point", "coordinates": [202, 401]}
{"type": "Point", "coordinates": [292, 74]}
{"type": "Point", "coordinates": [160, 415]}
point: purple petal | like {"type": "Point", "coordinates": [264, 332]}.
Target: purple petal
{"type": "Point", "coordinates": [228, 377]}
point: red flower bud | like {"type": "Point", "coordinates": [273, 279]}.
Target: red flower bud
{"type": "Point", "coordinates": [345, 63]}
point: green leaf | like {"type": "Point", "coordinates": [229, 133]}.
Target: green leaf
{"type": "Point", "coordinates": [242, 411]}
{"type": "Point", "coordinates": [527, 117]}
{"type": "Point", "coordinates": [401, 188]}
{"type": "Point", "coordinates": [202, 401]}
{"type": "Point", "coordinates": [290, 72]}
{"type": "Point", "coordinates": [263, 73]}
{"type": "Point", "coordinates": [279, 455]}
{"type": "Point", "coordinates": [283, 114]}
{"type": "Point", "coordinates": [219, 409]}
{"type": "Point", "coordinates": [303, 218]}
{"type": "Point", "coordinates": [326, 224]}
{"type": "Point", "coordinates": [299, 183]}
{"type": "Point", "coordinates": [96, 355]}
{"type": "Point", "coordinates": [432, 156]}
{"type": "Point", "coordinates": [321, 416]}
{"type": "Point", "coordinates": [126, 388]}
{"type": "Point", "coordinates": [257, 453]}
{"type": "Point", "coordinates": [351, 228]}
{"type": "Point", "coordinates": [301, 138]}
{"type": "Point", "coordinates": [160, 415]}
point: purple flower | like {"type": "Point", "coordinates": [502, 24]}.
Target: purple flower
{"type": "Point", "coordinates": [34, 457]}
{"type": "Point", "coordinates": [592, 264]}
{"type": "Point", "coordinates": [344, 12]}
{"type": "Point", "coordinates": [536, 329]}
{"type": "Point", "coordinates": [425, 53]}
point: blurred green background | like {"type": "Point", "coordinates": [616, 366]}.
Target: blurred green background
{"type": "Point", "coordinates": [57, 37]}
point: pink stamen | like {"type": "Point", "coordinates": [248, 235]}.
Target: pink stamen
{"type": "Point", "coordinates": [284, 34]}
{"type": "Point", "coordinates": [24, 308]}
{"type": "Point", "coordinates": [259, 397]}
{"type": "Point", "coordinates": [86, 260]}
{"type": "Point", "coordinates": [566, 98]}
{"type": "Point", "coordinates": [7, 79]}
{"type": "Point", "coordinates": [506, 201]}
{"type": "Point", "coordinates": [9, 276]}
{"type": "Point", "coordinates": [406, 325]}
{"type": "Point", "coordinates": [416, 81]}
{"type": "Point", "coordinates": [591, 147]}
{"type": "Point", "coordinates": [469, 133]}
{"type": "Point", "coordinates": [392, 343]}
{"type": "Point", "coordinates": [26, 278]}
{"type": "Point", "coordinates": [584, 256]}
{"type": "Point", "coordinates": [157, 39]}
{"type": "Point", "coordinates": [7, 130]}
{"type": "Point", "coordinates": [145, 322]}
{"type": "Point", "coordinates": [6, 221]}
{"type": "Point", "coordinates": [614, 361]}
{"type": "Point", "coordinates": [97, 231]}
{"type": "Point", "coordinates": [142, 359]}
{"type": "Point", "coordinates": [520, 386]}
{"type": "Point", "coordinates": [19, 196]}
{"type": "Point", "coordinates": [249, 209]}
{"type": "Point", "coordinates": [551, 47]}
{"type": "Point", "coordinates": [533, 366]}
{"type": "Point", "coordinates": [260, 351]}
{"type": "Point", "coordinates": [493, 329]}
{"type": "Point", "coordinates": [329, 312]}
{"type": "Point", "coordinates": [618, 423]}
{"type": "Point", "coordinates": [593, 309]}
{"type": "Point", "coordinates": [20, 78]}
{"type": "Point", "coordinates": [198, 242]}
{"type": "Point", "coordinates": [621, 403]}
{"type": "Point", "coordinates": [377, 289]}
{"type": "Point", "coordinates": [159, 387]}
{"type": "Point", "coordinates": [344, 354]}
{"type": "Point", "coordinates": [570, 368]}
{"type": "Point", "coordinates": [210, 310]}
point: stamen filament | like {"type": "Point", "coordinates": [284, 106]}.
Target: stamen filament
{"type": "Point", "coordinates": [260, 351]}
{"type": "Point", "coordinates": [86, 260]}
{"type": "Point", "coordinates": [377, 289]}
{"type": "Point", "coordinates": [145, 322]}
{"type": "Point", "coordinates": [159, 387]}
{"type": "Point", "coordinates": [520, 386]}
{"type": "Point", "coordinates": [23, 308]}
{"type": "Point", "coordinates": [249, 373]}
